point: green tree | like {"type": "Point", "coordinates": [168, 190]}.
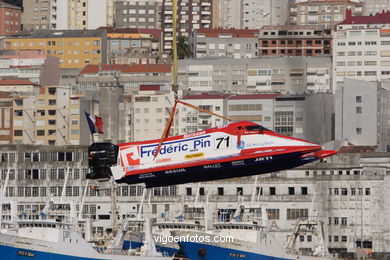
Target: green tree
{"type": "Point", "coordinates": [183, 47]}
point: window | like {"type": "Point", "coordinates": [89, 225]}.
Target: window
{"type": "Point", "coordinates": [359, 130]}
{"type": "Point", "coordinates": [220, 191]}
{"type": "Point", "coordinates": [240, 191]}
{"type": "Point", "coordinates": [40, 132]}
{"type": "Point", "coordinates": [189, 191]}
{"type": "Point", "coordinates": [336, 221]}
{"type": "Point", "coordinates": [358, 99]}
{"type": "Point", "coordinates": [293, 214]}
{"type": "Point", "coordinates": [344, 221]}
{"type": "Point", "coordinates": [272, 191]}
{"type": "Point", "coordinates": [291, 191]}
{"type": "Point", "coordinates": [343, 238]}
{"type": "Point", "coordinates": [273, 213]}
{"type": "Point", "coordinates": [18, 132]}
{"type": "Point", "coordinates": [367, 191]}
{"type": "Point", "coordinates": [336, 191]}
{"type": "Point", "coordinates": [358, 110]}
{"type": "Point", "coordinates": [344, 191]}
{"type": "Point", "coordinates": [304, 191]}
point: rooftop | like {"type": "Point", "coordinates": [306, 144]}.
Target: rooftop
{"type": "Point", "coordinates": [378, 18]}
{"type": "Point", "coordinates": [255, 96]}
{"type": "Point", "coordinates": [9, 6]}
{"type": "Point", "coordinates": [235, 33]}
{"type": "Point", "coordinates": [206, 96]}
{"type": "Point", "coordinates": [125, 68]}
{"type": "Point", "coordinates": [59, 34]}
{"type": "Point", "coordinates": [156, 33]}
{"type": "Point", "coordinates": [5, 82]}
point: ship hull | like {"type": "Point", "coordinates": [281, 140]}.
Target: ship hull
{"type": "Point", "coordinates": [220, 170]}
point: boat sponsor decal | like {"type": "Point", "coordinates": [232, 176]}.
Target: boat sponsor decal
{"type": "Point", "coordinates": [222, 142]}
{"type": "Point", "coordinates": [146, 175]}
{"type": "Point", "coordinates": [25, 253]}
{"type": "Point", "coordinates": [212, 166]}
{"type": "Point", "coordinates": [175, 171]}
{"type": "Point", "coordinates": [237, 255]}
{"type": "Point", "coordinates": [163, 160]}
{"type": "Point", "coordinates": [194, 155]}
{"type": "Point", "coordinates": [194, 134]}
{"type": "Point", "coordinates": [129, 155]}
{"type": "Point", "coordinates": [262, 144]}
{"type": "Point", "coordinates": [265, 158]}
{"type": "Point", "coordinates": [238, 163]}
{"type": "Point", "coordinates": [176, 146]}
{"type": "Point", "coordinates": [241, 145]}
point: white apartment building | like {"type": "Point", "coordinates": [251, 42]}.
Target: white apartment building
{"type": "Point", "coordinates": [361, 48]}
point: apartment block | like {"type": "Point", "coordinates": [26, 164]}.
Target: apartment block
{"type": "Point", "coordinates": [191, 120]}
{"type": "Point", "coordinates": [151, 108]}
{"type": "Point", "coordinates": [131, 77]}
{"type": "Point", "coordinates": [138, 14]}
{"type": "Point", "coordinates": [361, 48]}
{"type": "Point", "coordinates": [67, 14]}
{"type": "Point", "coordinates": [190, 15]}
{"type": "Point", "coordinates": [295, 40]}
{"type": "Point", "coordinates": [45, 117]}
{"type": "Point", "coordinates": [10, 18]}
{"type": "Point", "coordinates": [328, 12]}
{"type": "Point", "coordinates": [218, 42]}
{"type": "Point", "coordinates": [134, 46]}
{"type": "Point", "coordinates": [73, 48]}
{"type": "Point", "coordinates": [371, 7]}
{"type": "Point", "coordinates": [6, 118]}
{"type": "Point", "coordinates": [269, 74]}
{"type": "Point", "coordinates": [252, 14]}
{"type": "Point", "coordinates": [362, 116]}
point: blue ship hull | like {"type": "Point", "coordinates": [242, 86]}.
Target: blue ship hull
{"type": "Point", "coordinates": [166, 251]}
{"type": "Point", "coordinates": [14, 253]}
{"type": "Point", "coordinates": [198, 251]}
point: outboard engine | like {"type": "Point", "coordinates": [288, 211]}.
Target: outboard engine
{"type": "Point", "coordinates": [101, 156]}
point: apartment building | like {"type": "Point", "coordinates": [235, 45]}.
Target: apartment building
{"type": "Point", "coordinates": [6, 118]}
{"type": "Point", "coordinates": [328, 12]}
{"type": "Point", "coordinates": [31, 65]}
{"type": "Point", "coordinates": [134, 46]}
{"type": "Point", "coordinates": [191, 15]}
{"type": "Point", "coordinates": [73, 48]}
{"type": "Point", "coordinates": [362, 116]}
{"type": "Point", "coordinates": [151, 108]}
{"type": "Point", "coordinates": [138, 14]}
{"type": "Point", "coordinates": [252, 14]}
{"type": "Point", "coordinates": [270, 74]}
{"type": "Point", "coordinates": [46, 116]}
{"type": "Point", "coordinates": [295, 40]}
{"type": "Point", "coordinates": [131, 77]}
{"type": "Point", "coordinates": [191, 120]}
{"type": "Point", "coordinates": [10, 18]}
{"type": "Point", "coordinates": [371, 7]}
{"type": "Point", "coordinates": [219, 42]}
{"type": "Point", "coordinates": [361, 48]}
{"type": "Point", "coordinates": [67, 14]}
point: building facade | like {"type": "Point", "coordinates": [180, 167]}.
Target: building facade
{"type": "Point", "coordinates": [73, 48]}
{"type": "Point", "coordinates": [67, 14]}
{"type": "Point", "coordinates": [252, 14]}
{"type": "Point", "coordinates": [138, 14]}
{"type": "Point", "coordinates": [361, 48]}
{"type": "Point", "coordinates": [321, 12]}
{"type": "Point", "coordinates": [235, 43]}
{"type": "Point", "coordinates": [375, 6]}
{"type": "Point", "coordinates": [347, 193]}
{"type": "Point", "coordinates": [134, 46]}
{"type": "Point", "coordinates": [292, 40]}
{"type": "Point", "coordinates": [190, 15]}
{"type": "Point", "coordinates": [10, 18]}
{"type": "Point", "coordinates": [270, 74]}
{"type": "Point", "coordinates": [362, 117]}
{"type": "Point", "coordinates": [6, 121]}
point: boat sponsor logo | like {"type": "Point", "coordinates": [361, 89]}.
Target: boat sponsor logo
{"type": "Point", "coordinates": [241, 145]}
{"type": "Point", "coordinates": [194, 134]}
{"type": "Point", "coordinates": [194, 155]}
{"type": "Point", "coordinates": [175, 171]}
{"type": "Point", "coordinates": [212, 166]}
{"type": "Point", "coordinates": [237, 255]}
{"type": "Point", "coordinates": [238, 163]}
{"type": "Point", "coordinates": [163, 160]}
{"type": "Point", "coordinates": [262, 144]}
{"type": "Point", "coordinates": [265, 158]}
{"type": "Point", "coordinates": [25, 253]}
{"type": "Point", "coordinates": [177, 146]}
{"type": "Point", "coordinates": [129, 156]}
{"type": "Point", "coordinates": [146, 175]}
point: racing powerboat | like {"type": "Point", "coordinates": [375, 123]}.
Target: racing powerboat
{"type": "Point", "coordinates": [235, 150]}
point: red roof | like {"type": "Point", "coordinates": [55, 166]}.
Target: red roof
{"type": "Point", "coordinates": [125, 68]}
{"type": "Point", "coordinates": [379, 18]}
{"type": "Point", "coordinates": [357, 149]}
{"type": "Point", "coordinates": [255, 96]}
{"type": "Point", "coordinates": [206, 96]}
{"type": "Point", "coordinates": [149, 87]}
{"type": "Point", "coordinates": [16, 82]}
{"type": "Point", "coordinates": [242, 33]}
{"type": "Point", "coordinates": [5, 95]}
